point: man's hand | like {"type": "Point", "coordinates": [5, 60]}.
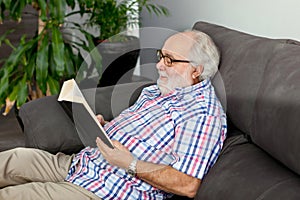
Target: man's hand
{"type": "Point", "coordinates": [101, 120]}
{"type": "Point", "coordinates": [161, 176]}
{"type": "Point", "coordinates": [118, 156]}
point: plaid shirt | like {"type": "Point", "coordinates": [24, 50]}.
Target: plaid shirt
{"type": "Point", "coordinates": [184, 129]}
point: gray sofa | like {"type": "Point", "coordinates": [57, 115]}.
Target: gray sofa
{"type": "Point", "coordinates": [260, 89]}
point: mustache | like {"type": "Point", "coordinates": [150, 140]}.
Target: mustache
{"type": "Point", "coordinates": [162, 73]}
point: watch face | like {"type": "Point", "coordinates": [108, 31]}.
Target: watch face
{"type": "Point", "coordinates": [131, 172]}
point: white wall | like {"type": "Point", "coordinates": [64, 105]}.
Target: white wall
{"type": "Point", "coordinates": [269, 18]}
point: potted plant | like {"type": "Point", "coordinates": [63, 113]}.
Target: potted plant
{"type": "Point", "coordinates": [37, 66]}
{"type": "Point", "coordinates": [119, 51]}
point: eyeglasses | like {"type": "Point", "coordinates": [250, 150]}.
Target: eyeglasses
{"type": "Point", "coordinates": [167, 60]}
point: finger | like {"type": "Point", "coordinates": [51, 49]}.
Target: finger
{"type": "Point", "coordinates": [119, 146]}
{"type": "Point", "coordinates": [101, 145]}
{"type": "Point", "coordinates": [116, 144]}
{"type": "Point", "coordinates": [99, 141]}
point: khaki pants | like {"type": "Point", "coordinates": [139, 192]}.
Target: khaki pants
{"type": "Point", "coordinates": [35, 174]}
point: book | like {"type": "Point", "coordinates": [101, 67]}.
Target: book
{"type": "Point", "coordinates": [85, 121]}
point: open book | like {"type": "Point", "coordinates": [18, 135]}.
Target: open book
{"type": "Point", "coordinates": [81, 114]}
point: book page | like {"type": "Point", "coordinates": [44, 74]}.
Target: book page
{"type": "Point", "coordinates": [71, 92]}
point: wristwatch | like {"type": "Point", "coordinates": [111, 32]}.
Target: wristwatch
{"type": "Point", "coordinates": [132, 167]}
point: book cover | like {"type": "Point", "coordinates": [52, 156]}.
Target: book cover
{"type": "Point", "coordinates": [76, 107]}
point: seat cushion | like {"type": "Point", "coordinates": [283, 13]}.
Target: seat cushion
{"type": "Point", "coordinates": [244, 171]}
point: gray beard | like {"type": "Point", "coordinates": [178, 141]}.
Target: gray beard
{"type": "Point", "coordinates": [173, 82]}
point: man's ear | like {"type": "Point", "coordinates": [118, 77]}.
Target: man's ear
{"type": "Point", "coordinates": [198, 71]}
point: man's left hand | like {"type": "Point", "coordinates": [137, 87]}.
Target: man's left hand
{"type": "Point", "coordinates": [119, 156]}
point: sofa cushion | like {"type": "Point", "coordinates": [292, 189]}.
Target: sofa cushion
{"type": "Point", "coordinates": [48, 127]}
{"type": "Point", "coordinates": [277, 111]}
{"type": "Point", "coordinates": [244, 171]}
{"type": "Point", "coordinates": [243, 60]}
{"type": "Point", "coordinates": [11, 134]}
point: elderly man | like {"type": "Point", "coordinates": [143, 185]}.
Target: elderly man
{"type": "Point", "coordinates": [164, 144]}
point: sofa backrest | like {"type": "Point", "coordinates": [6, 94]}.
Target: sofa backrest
{"type": "Point", "coordinates": [276, 119]}
{"type": "Point", "coordinates": [262, 84]}
{"type": "Point", "coordinates": [243, 60]}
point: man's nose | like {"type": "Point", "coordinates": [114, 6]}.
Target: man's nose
{"type": "Point", "coordinates": [160, 65]}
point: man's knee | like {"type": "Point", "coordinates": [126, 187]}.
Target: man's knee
{"type": "Point", "coordinates": [23, 153]}
{"type": "Point", "coordinates": [18, 156]}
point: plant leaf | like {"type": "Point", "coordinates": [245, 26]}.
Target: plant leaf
{"type": "Point", "coordinates": [57, 10]}
{"type": "Point", "coordinates": [42, 63]}
{"type": "Point", "coordinates": [3, 36]}
{"type": "Point", "coordinates": [61, 10]}
{"type": "Point", "coordinates": [7, 3]}
{"type": "Point", "coordinates": [15, 58]}
{"type": "Point", "coordinates": [14, 94]}
{"type": "Point", "coordinates": [31, 54]}
{"type": "Point", "coordinates": [23, 92]}
{"type": "Point", "coordinates": [58, 50]}
{"type": "Point", "coordinates": [43, 7]}
{"type": "Point", "coordinates": [69, 65]}
{"type": "Point", "coordinates": [4, 85]}
{"type": "Point", "coordinates": [52, 67]}
{"type": "Point", "coordinates": [53, 85]}
{"type": "Point", "coordinates": [71, 3]}
{"type": "Point", "coordinates": [17, 9]}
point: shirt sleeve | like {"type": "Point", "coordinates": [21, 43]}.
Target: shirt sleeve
{"type": "Point", "coordinates": [198, 142]}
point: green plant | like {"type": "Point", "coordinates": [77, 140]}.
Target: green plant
{"type": "Point", "coordinates": [37, 66]}
{"type": "Point", "coordinates": [114, 17]}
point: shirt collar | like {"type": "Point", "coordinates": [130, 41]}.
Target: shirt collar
{"type": "Point", "coordinates": [199, 87]}
{"type": "Point", "coordinates": [153, 91]}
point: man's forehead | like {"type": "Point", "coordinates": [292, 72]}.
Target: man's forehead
{"type": "Point", "coordinates": [179, 44]}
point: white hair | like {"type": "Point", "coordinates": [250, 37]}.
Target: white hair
{"type": "Point", "coordinates": [204, 52]}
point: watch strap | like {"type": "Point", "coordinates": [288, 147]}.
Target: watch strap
{"type": "Point", "coordinates": [132, 167]}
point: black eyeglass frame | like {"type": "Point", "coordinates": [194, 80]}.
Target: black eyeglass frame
{"type": "Point", "coordinates": [160, 55]}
